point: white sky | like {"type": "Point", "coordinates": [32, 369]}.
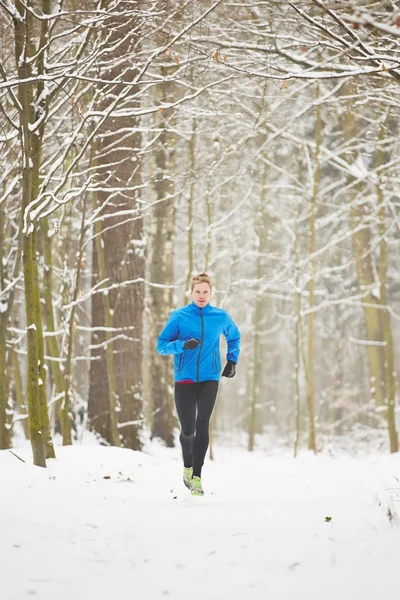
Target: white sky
{"type": "Point", "coordinates": [258, 533]}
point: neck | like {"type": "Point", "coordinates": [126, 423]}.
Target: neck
{"type": "Point", "coordinates": [198, 308]}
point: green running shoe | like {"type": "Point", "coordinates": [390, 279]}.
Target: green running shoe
{"type": "Point", "coordinates": [196, 487]}
{"type": "Point", "coordinates": [187, 476]}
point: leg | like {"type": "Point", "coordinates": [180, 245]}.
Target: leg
{"type": "Point", "coordinates": [185, 402]}
{"type": "Point", "coordinates": [207, 395]}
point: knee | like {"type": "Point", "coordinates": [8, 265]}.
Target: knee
{"type": "Point", "coordinates": [187, 434]}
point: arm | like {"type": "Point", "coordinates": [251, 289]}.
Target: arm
{"type": "Point", "coordinates": [168, 342]}
{"type": "Point", "coordinates": [232, 336]}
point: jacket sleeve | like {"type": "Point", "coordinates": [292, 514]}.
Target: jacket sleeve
{"type": "Point", "coordinates": [232, 336]}
{"type": "Point", "coordinates": [168, 342]}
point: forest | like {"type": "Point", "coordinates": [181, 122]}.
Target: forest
{"type": "Point", "coordinates": [143, 142]}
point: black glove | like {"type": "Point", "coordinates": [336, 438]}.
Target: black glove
{"type": "Point", "coordinates": [191, 344]}
{"type": "Point", "coordinates": [229, 370]}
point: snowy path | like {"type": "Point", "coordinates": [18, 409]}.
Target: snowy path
{"type": "Point", "coordinates": [259, 533]}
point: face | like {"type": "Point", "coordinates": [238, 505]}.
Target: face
{"type": "Point", "coordinates": [201, 294]}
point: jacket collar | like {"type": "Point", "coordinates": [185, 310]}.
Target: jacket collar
{"type": "Point", "coordinates": [197, 311]}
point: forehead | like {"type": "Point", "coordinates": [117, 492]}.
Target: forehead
{"type": "Point", "coordinates": [201, 287]}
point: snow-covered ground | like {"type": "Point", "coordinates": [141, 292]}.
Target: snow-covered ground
{"type": "Point", "coordinates": [109, 523]}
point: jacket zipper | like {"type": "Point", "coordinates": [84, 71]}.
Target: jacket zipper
{"type": "Point", "coordinates": [201, 345]}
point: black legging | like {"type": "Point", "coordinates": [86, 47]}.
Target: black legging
{"type": "Point", "coordinates": [192, 398]}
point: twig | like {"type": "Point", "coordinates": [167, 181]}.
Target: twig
{"type": "Point", "coordinates": [17, 456]}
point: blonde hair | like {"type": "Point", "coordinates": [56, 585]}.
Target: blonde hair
{"type": "Point", "coordinates": [200, 278]}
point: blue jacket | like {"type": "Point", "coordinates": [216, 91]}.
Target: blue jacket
{"type": "Point", "coordinates": [205, 324]}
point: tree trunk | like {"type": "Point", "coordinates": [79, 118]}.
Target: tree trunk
{"type": "Point", "coordinates": [298, 340]}
{"type": "Point", "coordinates": [22, 407]}
{"type": "Point", "coordinates": [255, 386]}
{"type": "Point", "coordinates": [35, 428]}
{"type": "Point", "coordinates": [66, 416]}
{"type": "Point", "coordinates": [162, 273]}
{"type": "Point", "coordinates": [44, 415]}
{"type": "Point", "coordinates": [98, 400]}
{"type": "Point", "coordinates": [390, 362]}
{"type": "Point", "coordinates": [311, 286]}
{"type": "Point", "coordinates": [3, 338]}
{"type": "Point", "coordinates": [23, 31]}
{"type": "Point", "coordinates": [259, 310]}
{"type": "Point", "coordinates": [5, 433]}
{"type": "Point", "coordinates": [4, 438]}
{"type": "Point", "coordinates": [120, 310]}
{"type": "Point", "coordinates": [36, 155]}
{"type": "Point", "coordinates": [190, 228]}
{"type": "Point", "coordinates": [373, 314]}
{"type": "Point", "coordinates": [113, 402]}
{"type": "Point", "coordinates": [387, 327]}
{"type": "Point", "coordinates": [53, 348]}
{"type": "Point", "coordinates": [361, 237]}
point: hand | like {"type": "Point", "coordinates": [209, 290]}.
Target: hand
{"type": "Point", "coordinates": [191, 344]}
{"type": "Point", "coordinates": [229, 370]}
